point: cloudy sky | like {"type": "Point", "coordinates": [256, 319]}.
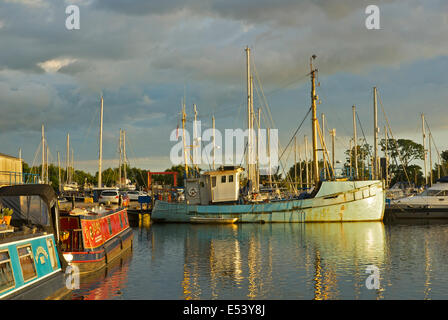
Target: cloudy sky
{"type": "Point", "coordinates": [144, 56]}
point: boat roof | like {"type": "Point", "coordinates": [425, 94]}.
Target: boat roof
{"type": "Point", "coordinates": [225, 170]}
{"type": "Point", "coordinates": [439, 186]}
{"type": "Point", "coordinates": [45, 191]}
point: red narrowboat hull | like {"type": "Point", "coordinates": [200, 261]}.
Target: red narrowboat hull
{"type": "Point", "coordinates": [96, 239]}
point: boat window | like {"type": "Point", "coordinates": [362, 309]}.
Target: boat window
{"type": "Point", "coordinates": [52, 253]}
{"type": "Point", "coordinates": [223, 179]}
{"type": "Point", "coordinates": [231, 178]}
{"type": "Point", "coordinates": [6, 275]}
{"type": "Point", "coordinates": [27, 262]}
{"type": "Point", "coordinates": [432, 193]}
{"type": "Point", "coordinates": [213, 182]}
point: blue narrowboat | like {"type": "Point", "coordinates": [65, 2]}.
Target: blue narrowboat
{"type": "Point", "coordinates": [31, 264]}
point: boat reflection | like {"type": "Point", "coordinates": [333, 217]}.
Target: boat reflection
{"type": "Point", "coordinates": [256, 261]}
{"type": "Point", "coordinates": [107, 283]}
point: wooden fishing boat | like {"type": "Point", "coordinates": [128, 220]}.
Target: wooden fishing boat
{"type": "Point", "coordinates": [213, 220]}
{"type": "Point", "coordinates": [31, 264]}
{"type": "Point", "coordinates": [94, 237]}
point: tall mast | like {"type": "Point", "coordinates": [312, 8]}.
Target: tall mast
{"type": "Point", "coordinates": [257, 176]}
{"type": "Point", "coordinates": [295, 161]}
{"type": "Point", "coordinates": [184, 117]}
{"type": "Point", "coordinates": [430, 159]}
{"type": "Point", "coordinates": [424, 148]}
{"type": "Point", "coordinates": [306, 163]}
{"type": "Point", "coordinates": [59, 174]}
{"type": "Point", "coordinates": [386, 156]}
{"type": "Point", "coordinates": [214, 145]}
{"type": "Point", "coordinates": [43, 155]}
{"type": "Point", "coordinates": [46, 164]}
{"type": "Point", "coordinates": [100, 159]}
{"type": "Point", "coordinates": [124, 158]}
{"type": "Point", "coordinates": [72, 167]}
{"type": "Point", "coordinates": [314, 123]}
{"type": "Point", "coordinates": [249, 116]}
{"type": "Point", "coordinates": [269, 156]}
{"type": "Point", "coordinates": [121, 157]}
{"type": "Point", "coordinates": [323, 141]}
{"type": "Point", "coordinates": [375, 137]}
{"type": "Point", "coordinates": [333, 135]}
{"type": "Point", "coordinates": [67, 159]}
{"type": "Point", "coordinates": [355, 144]}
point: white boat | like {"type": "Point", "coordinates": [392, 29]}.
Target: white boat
{"type": "Point", "coordinates": [435, 197]}
{"type": "Point", "coordinates": [431, 203]}
{"type": "Point", "coordinates": [216, 194]}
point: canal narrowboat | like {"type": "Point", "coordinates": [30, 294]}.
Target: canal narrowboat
{"type": "Point", "coordinates": [31, 265]}
{"type": "Point", "coordinates": [93, 237]}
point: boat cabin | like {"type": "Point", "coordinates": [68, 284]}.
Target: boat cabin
{"type": "Point", "coordinates": [217, 186]}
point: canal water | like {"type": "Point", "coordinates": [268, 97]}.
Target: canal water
{"type": "Point", "coordinates": [358, 260]}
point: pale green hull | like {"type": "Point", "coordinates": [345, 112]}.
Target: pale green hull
{"type": "Point", "coordinates": [336, 201]}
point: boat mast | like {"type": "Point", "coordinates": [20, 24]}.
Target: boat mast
{"type": "Point", "coordinates": [214, 146]}
{"type": "Point", "coordinates": [430, 158]}
{"type": "Point", "coordinates": [72, 167]}
{"type": "Point", "coordinates": [59, 173]}
{"type": "Point", "coordinates": [124, 158]}
{"type": "Point", "coordinates": [306, 163]}
{"type": "Point", "coordinates": [43, 155]}
{"type": "Point", "coordinates": [269, 156]}
{"type": "Point", "coordinates": [257, 175]}
{"type": "Point", "coordinates": [376, 174]}
{"type": "Point", "coordinates": [184, 117]}
{"type": "Point", "coordinates": [323, 141]}
{"type": "Point", "coordinates": [314, 120]}
{"type": "Point", "coordinates": [67, 159]}
{"type": "Point", "coordinates": [46, 164]}
{"type": "Point", "coordinates": [295, 162]}
{"type": "Point", "coordinates": [100, 159]}
{"type": "Point", "coordinates": [333, 135]}
{"type": "Point", "coordinates": [355, 145]}
{"type": "Point", "coordinates": [120, 148]}
{"type": "Point", "coordinates": [249, 121]}
{"type": "Point", "coordinates": [424, 148]}
{"type": "Point", "coordinates": [386, 156]}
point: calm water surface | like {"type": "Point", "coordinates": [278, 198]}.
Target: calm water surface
{"type": "Point", "coordinates": [277, 261]}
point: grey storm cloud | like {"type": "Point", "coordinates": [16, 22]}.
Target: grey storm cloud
{"type": "Point", "coordinates": [143, 55]}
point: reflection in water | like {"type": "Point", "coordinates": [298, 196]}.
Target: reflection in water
{"type": "Point", "coordinates": [105, 283]}
{"type": "Point", "coordinates": [281, 261]}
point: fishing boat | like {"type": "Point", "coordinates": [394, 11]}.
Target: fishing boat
{"type": "Point", "coordinates": [431, 203]}
{"type": "Point", "coordinates": [31, 263]}
{"type": "Point", "coordinates": [217, 194]}
{"type": "Point", "coordinates": [94, 237]}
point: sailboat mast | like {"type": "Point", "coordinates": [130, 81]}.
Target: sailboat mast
{"type": "Point", "coordinates": [100, 159]}
{"type": "Point", "coordinates": [249, 115]}
{"type": "Point", "coordinates": [333, 135]}
{"type": "Point", "coordinates": [121, 157]}
{"type": "Point", "coordinates": [355, 144]}
{"type": "Point", "coordinates": [323, 141]}
{"type": "Point", "coordinates": [424, 148]}
{"type": "Point", "coordinates": [43, 155]}
{"type": "Point", "coordinates": [375, 137]}
{"type": "Point", "coordinates": [214, 144]}
{"type": "Point", "coordinates": [124, 158]}
{"type": "Point", "coordinates": [184, 116]}
{"type": "Point", "coordinates": [430, 159]}
{"type": "Point", "coordinates": [67, 159]}
{"type": "Point", "coordinates": [314, 123]}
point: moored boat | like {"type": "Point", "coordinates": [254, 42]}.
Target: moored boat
{"type": "Point", "coordinates": [94, 237]}
{"type": "Point", "coordinates": [31, 264]}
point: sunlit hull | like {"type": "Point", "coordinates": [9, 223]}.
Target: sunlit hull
{"type": "Point", "coordinates": [336, 201]}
